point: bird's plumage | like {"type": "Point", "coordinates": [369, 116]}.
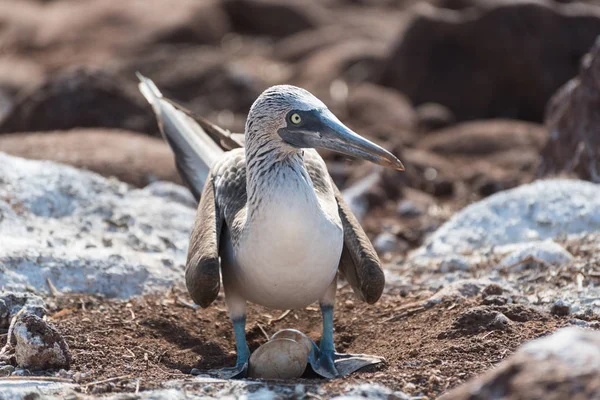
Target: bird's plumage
{"type": "Point", "coordinates": [271, 224]}
{"type": "Point", "coordinates": [224, 199]}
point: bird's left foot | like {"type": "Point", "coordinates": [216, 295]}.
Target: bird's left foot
{"type": "Point", "coordinates": [324, 364]}
{"type": "Point", "coordinates": [330, 364]}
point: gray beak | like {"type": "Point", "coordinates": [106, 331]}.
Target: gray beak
{"type": "Point", "coordinates": [328, 132]}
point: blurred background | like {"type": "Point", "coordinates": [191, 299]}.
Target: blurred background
{"type": "Point", "coordinates": [458, 89]}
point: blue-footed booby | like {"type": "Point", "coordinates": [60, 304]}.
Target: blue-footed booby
{"type": "Point", "coordinates": [270, 219]}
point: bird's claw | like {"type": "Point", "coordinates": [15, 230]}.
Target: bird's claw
{"type": "Point", "coordinates": [323, 363]}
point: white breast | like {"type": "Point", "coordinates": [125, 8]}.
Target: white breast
{"type": "Point", "coordinates": [290, 252]}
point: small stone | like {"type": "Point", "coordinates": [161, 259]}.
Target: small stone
{"type": "Point", "coordinates": [561, 308]}
{"type": "Point", "coordinates": [7, 370]}
{"type": "Point", "coordinates": [452, 264]}
{"type": "Point", "coordinates": [580, 323]}
{"type": "Point", "coordinates": [38, 345]}
{"type": "Point", "coordinates": [547, 252]}
{"type": "Point", "coordinates": [407, 208]}
{"type": "Point", "coordinates": [492, 290]}
{"type": "Point", "coordinates": [494, 300]}
{"type": "Point", "coordinates": [21, 372]}
{"type": "Point", "coordinates": [387, 242]}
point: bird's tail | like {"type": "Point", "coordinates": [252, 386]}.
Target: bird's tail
{"type": "Point", "coordinates": [195, 150]}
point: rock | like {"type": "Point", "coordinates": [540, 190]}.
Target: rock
{"type": "Point", "coordinates": [547, 252]}
{"type": "Point", "coordinates": [564, 365]}
{"type": "Point", "coordinates": [460, 58]}
{"type": "Point", "coordinates": [532, 212]}
{"type": "Point", "coordinates": [6, 370]}
{"type": "Point", "coordinates": [351, 61]}
{"type": "Point", "coordinates": [371, 105]}
{"type": "Point", "coordinates": [476, 320]}
{"type": "Point", "coordinates": [387, 242]}
{"type": "Point", "coordinates": [131, 157]}
{"type": "Point", "coordinates": [207, 80]}
{"type": "Point", "coordinates": [452, 264]}
{"type": "Point", "coordinates": [465, 288]}
{"type": "Point", "coordinates": [274, 17]}
{"type": "Point", "coordinates": [408, 208]}
{"type": "Point", "coordinates": [68, 34]}
{"type": "Point", "coordinates": [433, 116]}
{"type": "Point", "coordinates": [430, 172]}
{"type": "Point", "coordinates": [38, 345]}
{"type": "Point", "coordinates": [560, 308]}
{"type": "Point", "coordinates": [79, 97]}
{"type": "Point", "coordinates": [572, 120]}
{"type": "Point", "coordinates": [85, 232]}
{"type": "Point", "coordinates": [480, 138]}
{"type": "Point", "coordinates": [372, 391]}
{"type": "Point", "coordinates": [11, 303]}
{"type": "Point", "coordinates": [278, 359]}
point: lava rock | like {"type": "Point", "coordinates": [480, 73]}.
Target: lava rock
{"type": "Point", "coordinates": [572, 119]}
{"type": "Point", "coordinates": [387, 242]}
{"type": "Point", "coordinates": [444, 54]}
{"type": "Point", "coordinates": [537, 211]}
{"type": "Point", "coordinates": [79, 97]}
{"type": "Point", "coordinates": [372, 105]}
{"type": "Point", "coordinates": [560, 308]}
{"type": "Point", "coordinates": [11, 303]}
{"type": "Point", "coordinates": [131, 157]}
{"type": "Point", "coordinates": [38, 345]}
{"type": "Point", "coordinates": [274, 17]}
{"type": "Point", "coordinates": [547, 252]}
{"type": "Point", "coordinates": [480, 138]}
{"type": "Point", "coordinates": [477, 319]}
{"type": "Point", "coordinates": [55, 221]}
{"type": "Point", "coordinates": [433, 116]}
{"type": "Point", "coordinates": [564, 365]}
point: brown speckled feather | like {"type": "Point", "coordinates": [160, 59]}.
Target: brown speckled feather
{"type": "Point", "coordinates": [202, 276]}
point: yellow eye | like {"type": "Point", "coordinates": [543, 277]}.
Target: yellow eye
{"type": "Point", "coordinates": [295, 118]}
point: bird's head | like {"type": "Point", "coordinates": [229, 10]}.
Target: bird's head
{"type": "Point", "coordinates": [300, 120]}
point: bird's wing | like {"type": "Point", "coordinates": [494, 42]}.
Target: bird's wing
{"type": "Point", "coordinates": [196, 143]}
{"type": "Point", "coordinates": [359, 264]}
{"type": "Point", "coordinates": [202, 275]}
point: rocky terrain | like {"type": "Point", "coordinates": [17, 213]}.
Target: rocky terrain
{"type": "Point", "coordinates": [490, 239]}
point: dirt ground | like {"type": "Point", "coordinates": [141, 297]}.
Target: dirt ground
{"type": "Point", "coordinates": [137, 345]}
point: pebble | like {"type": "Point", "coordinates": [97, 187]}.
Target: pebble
{"type": "Point", "coordinates": [7, 370]}
{"type": "Point", "coordinates": [387, 242]}
{"type": "Point", "coordinates": [561, 308]}
{"type": "Point", "coordinates": [21, 372]}
{"type": "Point", "coordinates": [408, 208]}
{"type": "Point", "coordinates": [452, 264]}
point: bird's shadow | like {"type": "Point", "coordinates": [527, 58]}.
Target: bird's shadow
{"type": "Point", "coordinates": [210, 354]}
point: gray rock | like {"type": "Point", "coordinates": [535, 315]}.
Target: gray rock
{"type": "Point", "coordinates": [7, 370]}
{"type": "Point", "coordinates": [38, 345]}
{"type": "Point", "coordinates": [11, 303]}
{"type": "Point", "coordinates": [561, 307]}
{"type": "Point", "coordinates": [56, 222]}
{"type": "Point", "coordinates": [468, 288]}
{"type": "Point", "coordinates": [568, 356]}
{"type": "Point", "coordinates": [372, 391]}
{"type": "Point", "coordinates": [387, 242]}
{"type": "Point", "coordinates": [541, 210]}
{"type": "Point", "coordinates": [408, 208]}
{"type": "Point", "coordinates": [547, 252]}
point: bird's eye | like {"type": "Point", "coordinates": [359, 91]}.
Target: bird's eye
{"type": "Point", "coordinates": [295, 118]}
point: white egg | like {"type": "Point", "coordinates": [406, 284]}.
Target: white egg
{"type": "Point", "coordinates": [278, 359]}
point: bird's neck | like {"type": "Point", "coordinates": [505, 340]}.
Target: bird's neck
{"type": "Point", "coordinates": [272, 166]}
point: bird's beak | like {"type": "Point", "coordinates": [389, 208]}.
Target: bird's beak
{"type": "Point", "coordinates": [333, 135]}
